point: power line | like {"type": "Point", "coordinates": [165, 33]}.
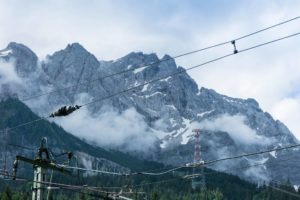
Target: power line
{"type": "Point", "coordinates": [94, 170]}
{"type": "Point", "coordinates": [62, 186]}
{"type": "Point", "coordinates": [209, 173]}
{"type": "Point", "coordinates": [168, 168]}
{"type": "Point", "coordinates": [284, 191]}
{"type": "Point", "coordinates": [75, 188]}
{"type": "Point", "coordinates": [96, 189]}
{"type": "Point", "coordinates": [245, 167]}
{"type": "Point", "coordinates": [190, 68]}
{"type": "Point", "coordinates": [252, 154]}
{"type": "Point", "coordinates": [25, 124]}
{"type": "Point", "coordinates": [179, 72]}
{"type": "Point", "coordinates": [173, 179]}
{"type": "Point", "coordinates": [267, 28]}
{"type": "Point", "coordinates": [217, 160]}
{"type": "Point", "coordinates": [163, 60]}
{"type": "Point", "coordinates": [21, 146]}
{"type": "Point", "coordinates": [89, 194]}
{"type": "Point", "coordinates": [159, 173]}
{"type": "Point", "coordinates": [184, 166]}
{"type": "Point", "coordinates": [166, 76]}
{"type": "Point", "coordinates": [140, 185]}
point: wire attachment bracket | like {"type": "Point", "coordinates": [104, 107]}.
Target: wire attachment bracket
{"type": "Point", "coordinates": [235, 51]}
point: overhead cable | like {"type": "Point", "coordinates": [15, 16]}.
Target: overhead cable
{"type": "Point", "coordinates": [185, 166]}
{"type": "Point", "coordinates": [163, 60]}
{"type": "Point", "coordinates": [217, 160]}
{"type": "Point", "coordinates": [163, 77]}
{"type": "Point", "coordinates": [252, 154]}
{"type": "Point", "coordinates": [284, 191]}
{"type": "Point", "coordinates": [191, 68]}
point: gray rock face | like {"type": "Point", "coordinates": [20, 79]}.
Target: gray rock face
{"type": "Point", "coordinates": [25, 59]}
{"type": "Point", "coordinates": [171, 108]}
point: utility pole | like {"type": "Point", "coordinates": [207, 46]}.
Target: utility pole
{"type": "Point", "coordinates": [41, 164]}
{"type": "Point", "coordinates": [38, 189]}
{"type": "Point", "coordinates": [198, 181]}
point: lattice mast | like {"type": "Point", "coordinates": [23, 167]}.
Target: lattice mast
{"type": "Point", "coordinates": [199, 181]}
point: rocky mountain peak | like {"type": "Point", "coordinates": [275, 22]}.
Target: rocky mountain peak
{"type": "Point", "coordinates": [75, 48]}
{"type": "Point", "coordinates": [73, 51]}
{"type": "Point", "coordinates": [141, 57]}
{"type": "Point", "coordinates": [135, 59]}
{"type": "Point", "coordinates": [71, 64]}
{"type": "Point", "coordinates": [167, 65]}
{"type": "Point", "coordinates": [169, 60]}
{"type": "Point", "coordinates": [25, 59]}
{"type": "Point", "coordinates": [252, 102]}
{"type": "Point", "coordinates": [20, 50]}
{"type": "Point", "coordinates": [19, 47]}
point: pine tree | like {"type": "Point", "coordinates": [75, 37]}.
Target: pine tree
{"type": "Point", "coordinates": [154, 196]}
{"type": "Point", "coordinates": [7, 194]}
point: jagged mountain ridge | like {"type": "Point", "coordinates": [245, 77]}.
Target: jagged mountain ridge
{"type": "Point", "coordinates": [170, 107]}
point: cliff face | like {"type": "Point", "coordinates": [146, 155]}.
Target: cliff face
{"type": "Point", "coordinates": [168, 109]}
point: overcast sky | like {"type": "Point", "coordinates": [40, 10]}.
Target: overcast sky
{"type": "Point", "coordinates": [113, 28]}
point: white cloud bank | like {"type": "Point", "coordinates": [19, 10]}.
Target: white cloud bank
{"type": "Point", "coordinates": [9, 79]}
{"type": "Point", "coordinates": [8, 73]}
{"type": "Point", "coordinates": [126, 130]}
{"type": "Point", "coordinates": [235, 126]}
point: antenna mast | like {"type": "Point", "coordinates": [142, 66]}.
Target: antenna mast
{"type": "Point", "coordinates": [199, 181]}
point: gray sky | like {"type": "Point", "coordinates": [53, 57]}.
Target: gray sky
{"type": "Point", "coordinates": [111, 29]}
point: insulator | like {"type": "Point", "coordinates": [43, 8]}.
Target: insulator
{"type": "Point", "coordinates": [15, 168]}
{"type": "Point", "coordinates": [70, 155]}
{"type": "Point", "coordinates": [235, 51]}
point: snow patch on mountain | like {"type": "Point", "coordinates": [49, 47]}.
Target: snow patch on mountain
{"type": "Point", "coordinates": [138, 70]}
{"type": "Point", "coordinates": [204, 113]}
{"type": "Point", "coordinates": [273, 153]}
{"type": "Point", "coordinates": [153, 94]}
{"type": "Point", "coordinates": [5, 52]}
{"type": "Point", "coordinates": [166, 79]}
{"type": "Point", "coordinates": [145, 87]}
{"type": "Point", "coordinates": [129, 66]}
{"type": "Point", "coordinates": [185, 134]}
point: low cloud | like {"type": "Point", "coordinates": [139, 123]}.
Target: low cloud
{"type": "Point", "coordinates": [9, 79]}
{"type": "Point", "coordinates": [257, 174]}
{"type": "Point", "coordinates": [8, 73]}
{"type": "Point", "coordinates": [235, 126]}
{"type": "Point", "coordinates": [126, 130]}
